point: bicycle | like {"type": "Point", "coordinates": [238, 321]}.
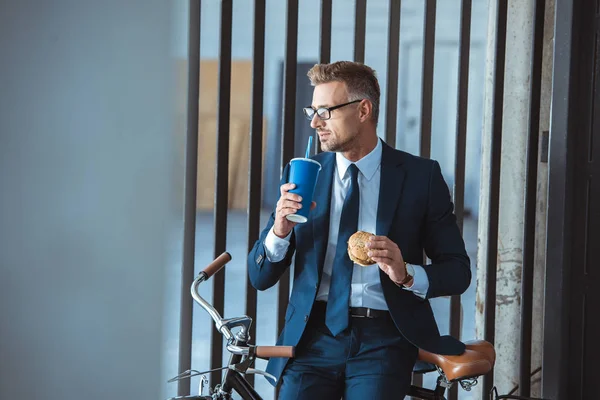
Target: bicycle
{"type": "Point", "coordinates": [465, 369]}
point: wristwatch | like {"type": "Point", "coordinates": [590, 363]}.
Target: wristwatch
{"type": "Point", "coordinates": [410, 273]}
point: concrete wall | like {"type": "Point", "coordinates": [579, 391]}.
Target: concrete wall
{"type": "Point", "coordinates": [515, 131]}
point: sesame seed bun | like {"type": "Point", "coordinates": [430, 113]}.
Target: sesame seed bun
{"type": "Point", "coordinates": [357, 248]}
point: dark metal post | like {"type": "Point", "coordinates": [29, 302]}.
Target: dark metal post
{"type": "Point", "coordinates": [360, 24]}
{"type": "Point", "coordinates": [494, 200]}
{"type": "Point", "coordinates": [324, 43]}
{"type": "Point", "coordinates": [555, 366]}
{"type": "Point", "coordinates": [289, 120]}
{"type": "Point", "coordinates": [461, 119]}
{"type": "Point", "coordinates": [427, 85]}
{"type": "Point", "coordinates": [191, 174]}
{"type": "Point", "coordinates": [531, 200]}
{"type": "Point", "coordinates": [427, 98]}
{"type": "Point", "coordinates": [256, 140]}
{"type": "Point", "coordinates": [391, 103]}
{"type": "Point", "coordinates": [222, 177]}
{"type": "Point", "coordinates": [460, 158]}
{"type": "Point", "coordinates": [325, 32]}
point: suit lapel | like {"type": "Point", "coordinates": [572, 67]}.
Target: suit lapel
{"type": "Point", "coordinates": [320, 218]}
{"type": "Point", "coordinates": [390, 188]}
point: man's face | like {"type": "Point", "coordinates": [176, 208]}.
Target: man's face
{"type": "Point", "coordinates": [338, 133]}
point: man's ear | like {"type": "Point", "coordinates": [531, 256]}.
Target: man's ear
{"type": "Point", "coordinates": [365, 110]}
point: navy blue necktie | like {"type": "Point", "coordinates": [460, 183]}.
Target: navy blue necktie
{"type": "Point", "coordinates": [338, 301]}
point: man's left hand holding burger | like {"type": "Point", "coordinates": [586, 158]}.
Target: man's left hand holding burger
{"type": "Point", "coordinates": [388, 256]}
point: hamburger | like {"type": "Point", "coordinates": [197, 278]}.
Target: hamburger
{"type": "Point", "coordinates": [357, 248]}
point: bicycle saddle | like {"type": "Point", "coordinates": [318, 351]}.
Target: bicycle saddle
{"type": "Point", "coordinates": [478, 359]}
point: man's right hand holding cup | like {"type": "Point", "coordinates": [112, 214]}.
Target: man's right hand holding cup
{"type": "Point", "coordinates": [288, 203]}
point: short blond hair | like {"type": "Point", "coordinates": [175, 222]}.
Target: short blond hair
{"type": "Point", "coordinates": [360, 79]}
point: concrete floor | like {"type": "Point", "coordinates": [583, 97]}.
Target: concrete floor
{"type": "Point", "coordinates": [235, 290]}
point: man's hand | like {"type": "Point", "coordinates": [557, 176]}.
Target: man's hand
{"type": "Point", "coordinates": [288, 203]}
{"type": "Point", "coordinates": [388, 256]}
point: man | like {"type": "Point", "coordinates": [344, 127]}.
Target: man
{"type": "Point", "coordinates": [357, 329]}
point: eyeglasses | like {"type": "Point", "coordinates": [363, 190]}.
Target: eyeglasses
{"type": "Point", "coordinates": [324, 113]}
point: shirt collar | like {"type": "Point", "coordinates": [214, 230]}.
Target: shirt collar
{"type": "Point", "coordinates": [367, 165]}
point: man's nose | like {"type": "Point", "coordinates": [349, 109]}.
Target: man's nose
{"type": "Point", "coordinates": [316, 122]}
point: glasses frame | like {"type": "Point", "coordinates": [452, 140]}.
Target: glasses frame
{"type": "Point", "coordinates": [317, 111]}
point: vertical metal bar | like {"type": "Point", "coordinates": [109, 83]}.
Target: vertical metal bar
{"type": "Point", "coordinates": [531, 200]}
{"type": "Point", "coordinates": [556, 363]}
{"type": "Point", "coordinates": [191, 175]}
{"type": "Point", "coordinates": [222, 176]}
{"type": "Point", "coordinates": [427, 99]}
{"type": "Point", "coordinates": [559, 247]}
{"type": "Point", "coordinates": [391, 103]}
{"type": "Point", "coordinates": [325, 32]}
{"type": "Point", "coordinates": [324, 43]}
{"type": "Point", "coordinates": [463, 104]}
{"type": "Point", "coordinates": [427, 83]}
{"type": "Point", "coordinates": [289, 120]}
{"type": "Point", "coordinates": [256, 140]}
{"type": "Point", "coordinates": [460, 158]}
{"type": "Point", "coordinates": [360, 25]}
{"type": "Point", "coordinates": [494, 201]}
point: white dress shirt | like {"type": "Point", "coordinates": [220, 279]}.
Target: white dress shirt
{"type": "Point", "coordinates": [366, 290]}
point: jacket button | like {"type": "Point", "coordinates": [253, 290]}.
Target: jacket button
{"type": "Point", "coordinates": [305, 318]}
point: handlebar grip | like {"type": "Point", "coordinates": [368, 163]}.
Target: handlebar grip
{"type": "Point", "coordinates": [275, 351]}
{"type": "Point", "coordinates": [217, 264]}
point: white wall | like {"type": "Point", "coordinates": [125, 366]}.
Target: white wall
{"type": "Point", "coordinates": [86, 155]}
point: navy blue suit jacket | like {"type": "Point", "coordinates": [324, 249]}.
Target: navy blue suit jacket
{"type": "Point", "coordinates": [416, 212]}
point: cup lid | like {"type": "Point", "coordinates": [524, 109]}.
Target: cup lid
{"type": "Point", "coordinates": [306, 159]}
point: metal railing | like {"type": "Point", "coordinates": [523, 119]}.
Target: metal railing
{"type": "Point", "coordinates": [391, 103]}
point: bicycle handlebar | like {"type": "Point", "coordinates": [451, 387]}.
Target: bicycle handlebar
{"type": "Point", "coordinates": [275, 351]}
{"type": "Point", "coordinates": [225, 325]}
{"type": "Point", "coordinates": [217, 264]}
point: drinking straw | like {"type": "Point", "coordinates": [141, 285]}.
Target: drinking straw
{"type": "Point", "coordinates": [310, 139]}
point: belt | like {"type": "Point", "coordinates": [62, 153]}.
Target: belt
{"type": "Point", "coordinates": [357, 312]}
{"type": "Point", "coordinates": [363, 312]}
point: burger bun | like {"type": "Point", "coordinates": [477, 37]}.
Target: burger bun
{"type": "Point", "coordinates": [357, 248]}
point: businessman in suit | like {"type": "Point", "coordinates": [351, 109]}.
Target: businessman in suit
{"type": "Point", "coordinates": [357, 329]}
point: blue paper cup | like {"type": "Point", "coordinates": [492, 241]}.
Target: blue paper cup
{"type": "Point", "coordinates": [303, 173]}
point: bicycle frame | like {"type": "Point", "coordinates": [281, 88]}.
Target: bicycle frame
{"type": "Point", "coordinates": [242, 354]}
{"type": "Point", "coordinates": [235, 381]}
{"type": "Point", "coordinates": [418, 392]}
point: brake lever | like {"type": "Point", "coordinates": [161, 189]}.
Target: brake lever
{"type": "Point", "coordinates": [244, 368]}
{"type": "Point", "coordinates": [260, 372]}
